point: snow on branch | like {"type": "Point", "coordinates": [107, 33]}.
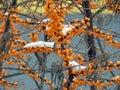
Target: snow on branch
{"type": "Point", "coordinates": [77, 66]}
{"type": "Point", "coordinates": [66, 29]}
{"type": "Point", "coordinates": [40, 44]}
{"type": "Point", "coordinates": [45, 20]}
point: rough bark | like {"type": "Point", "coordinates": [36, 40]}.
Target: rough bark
{"type": "Point", "coordinates": [90, 38]}
{"type": "Point", "coordinates": [6, 34]}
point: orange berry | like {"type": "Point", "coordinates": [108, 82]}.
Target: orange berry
{"type": "Point", "coordinates": [48, 82]}
{"type": "Point", "coordinates": [111, 62]}
{"type": "Point", "coordinates": [52, 86]}
{"type": "Point", "coordinates": [15, 85]}
{"type": "Point", "coordinates": [67, 72]}
{"type": "Point", "coordinates": [10, 62]}
{"type": "Point", "coordinates": [97, 82]}
{"type": "Point", "coordinates": [115, 65]}
{"type": "Point", "coordinates": [95, 28]}
{"type": "Point", "coordinates": [36, 77]}
{"type": "Point", "coordinates": [87, 19]}
{"type": "Point", "coordinates": [31, 75]}
{"type": "Point", "coordinates": [68, 41]}
{"type": "Point", "coordinates": [64, 81]}
{"type": "Point", "coordinates": [88, 23]}
{"type": "Point", "coordinates": [118, 62]}
{"type": "Point", "coordinates": [76, 20]}
{"type": "Point", "coordinates": [64, 88]}
{"type": "Point", "coordinates": [83, 22]}
{"type": "Point", "coordinates": [101, 70]}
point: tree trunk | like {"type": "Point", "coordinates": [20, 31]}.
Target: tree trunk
{"type": "Point", "coordinates": [90, 38]}
{"type": "Point", "coordinates": [6, 35]}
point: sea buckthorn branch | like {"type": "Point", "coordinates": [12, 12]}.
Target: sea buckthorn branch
{"type": "Point", "coordinates": [16, 53]}
{"type": "Point", "coordinates": [32, 73]}
{"type": "Point", "coordinates": [28, 49]}
{"type": "Point", "coordinates": [113, 5]}
{"type": "Point", "coordinates": [44, 60]}
{"type": "Point", "coordinates": [107, 37]}
{"type": "Point", "coordinates": [25, 72]}
{"type": "Point", "coordinates": [76, 30]}
{"type": "Point", "coordinates": [64, 53]}
{"type": "Point", "coordinates": [56, 24]}
{"type": "Point", "coordinates": [97, 33]}
{"type": "Point", "coordinates": [99, 83]}
{"type": "Point", "coordinates": [15, 84]}
{"type": "Point", "coordinates": [92, 66]}
{"type": "Point", "coordinates": [26, 69]}
{"type": "Point", "coordinates": [18, 43]}
{"type": "Point", "coordinates": [101, 70]}
{"type": "Point", "coordinates": [7, 84]}
{"type": "Point", "coordinates": [21, 62]}
{"type": "Point", "coordinates": [66, 63]}
{"type": "Point", "coordinates": [68, 55]}
{"type": "Point", "coordinates": [15, 18]}
{"type": "Point", "coordinates": [94, 82]}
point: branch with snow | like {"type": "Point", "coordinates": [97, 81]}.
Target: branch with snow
{"type": "Point", "coordinates": [77, 66]}
{"type": "Point", "coordinates": [66, 29]}
{"type": "Point", "coordinates": [40, 44]}
{"type": "Point", "coordinates": [45, 20]}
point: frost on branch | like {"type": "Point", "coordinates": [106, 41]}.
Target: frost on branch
{"type": "Point", "coordinates": [77, 66]}
{"type": "Point", "coordinates": [40, 44]}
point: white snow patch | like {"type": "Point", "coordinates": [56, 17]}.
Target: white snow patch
{"type": "Point", "coordinates": [6, 13]}
{"type": "Point", "coordinates": [47, 28]}
{"type": "Point", "coordinates": [45, 20]}
{"type": "Point", "coordinates": [77, 66]}
{"type": "Point", "coordinates": [39, 44]}
{"type": "Point", "coordinates": [66, 29]}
